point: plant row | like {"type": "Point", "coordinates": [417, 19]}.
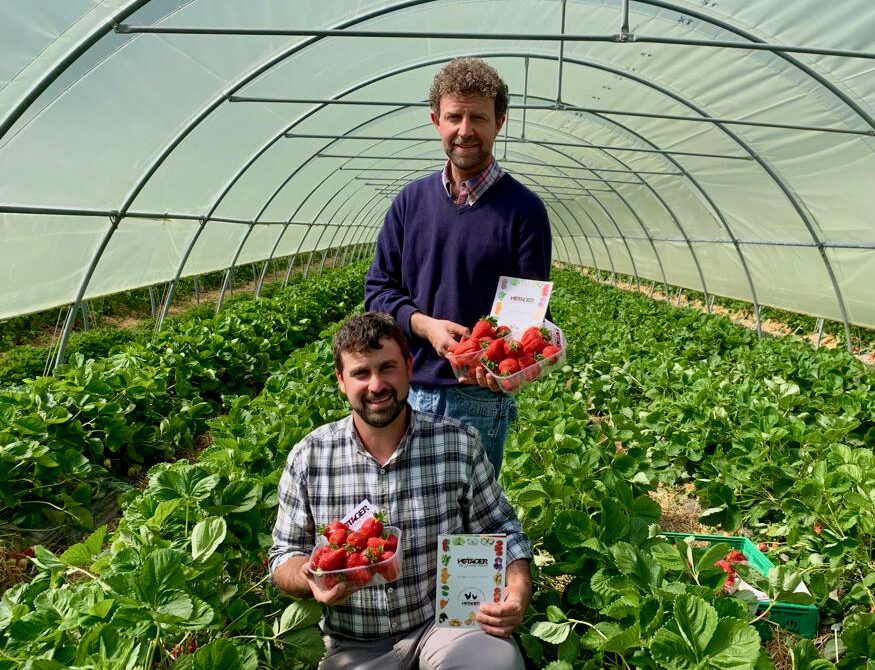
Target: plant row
{"type": "Point", "coordinates": [62, 437]}
{"type": "Point", "coordinates": [773, 437]}
{"type": "Point", "coordinates": [182, 581]}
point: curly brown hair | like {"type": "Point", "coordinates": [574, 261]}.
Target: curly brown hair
{"type": "Point", "coordinates": [363, 332]}
{"type": "Point", "coordinates": [469, 76]}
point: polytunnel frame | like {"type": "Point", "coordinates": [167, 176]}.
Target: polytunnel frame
{"type": "Point", "coordinates": [624, 36]}
{"type": "Point", "coordinates": [773, 174]}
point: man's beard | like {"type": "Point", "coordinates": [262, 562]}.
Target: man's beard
{"type": "Point", "coordinates": [466, 161]}
{"type": "Point", "coordinates": [382, 417]}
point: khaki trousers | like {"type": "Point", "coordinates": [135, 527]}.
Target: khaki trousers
{"type": "Point", "coordinates": [424, 648]}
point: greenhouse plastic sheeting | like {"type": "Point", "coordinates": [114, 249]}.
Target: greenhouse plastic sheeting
{"type": "Point", "coordinates": [130, 155]}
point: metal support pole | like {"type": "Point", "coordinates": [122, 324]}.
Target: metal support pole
{"type": "Point", "coordinates": [197, 290]}
{"type": "Point", "coordinates": [561, 58]}
{"type": "Point", "coordinates": [85, 321]}
{"type": "Point", "coordinates": [83, 285]}
{"type": "Point", "coordinates": [152, 301]}
{"type": "Point", "coordinates": [652, 286]}
{"type": "Point", "coordinates": [819, 333]}
{"type": "Point", "coordinates": [525, 97]}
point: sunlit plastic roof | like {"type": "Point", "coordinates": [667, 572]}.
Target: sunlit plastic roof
{"type": "Point", "coordinates": [726, 146]}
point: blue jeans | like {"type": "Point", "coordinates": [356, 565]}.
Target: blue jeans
{"type": "Point", "coordinates": [490, 413]}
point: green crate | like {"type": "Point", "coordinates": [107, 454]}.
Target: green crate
{"type": "Point", "coordinates": [803, 620]}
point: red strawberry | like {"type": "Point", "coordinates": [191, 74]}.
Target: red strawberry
{"type": "Point", "coordinates": [329, 528]}
{"type": "Point", "coordinates": [508, 367]}
{"type": "Point", "coordinates": [361, 575]}
{"type": "Point", "coordinates": [333, 559]}
{"type": "Point", "coordinates": [502, 331]}
{"type": "Point", "coordinates": [535, 332]}
{"type": "Point", "coordinates": [337, 537]}
{"type": "Point", "coordinates": [726, 566]}
{"type": "Point", "coordinates": [484, 327]}
{"type": "Point", "coordinates": [377, 545]}
{"type": "Point", "coordinates": [512, 348]}
{"type": "Point", "coordinates": [735, 556]}
{"type": "Point", "coordinates": [550, 350]}
{"type": "Point", "coordinates": [391, 542]}
{"type": "Point", "coordinates": [356, 541]}
{"type": "Point", "coordinates": [314, 561]}
{"type": "Point", "coordinates": [510, 384]}
{"type": "Point", "coordinates": [465, 345]}
{"type": "Point", "coordinates": [373, 527]}
{"type": "Point", "coordinates": [388, 566]}
{"type": "Point", "coordinates": [818, 529]}
{"type": "Point", "coordinates": [28, 551]}
{"type": "Point", "coordinates": [494, 351]}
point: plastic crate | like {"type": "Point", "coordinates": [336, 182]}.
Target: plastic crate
{"type": "Point", "coordinates": [803, 620]}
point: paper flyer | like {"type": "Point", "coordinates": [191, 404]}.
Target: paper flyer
{"type": "Point", "coordinates": [520, 303]}
{"type": "Point", "coordinates": [470, 570]}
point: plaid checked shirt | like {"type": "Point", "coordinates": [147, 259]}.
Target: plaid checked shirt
{"type": "Point", "coordinates": [437, 481]}
{"type": "Point", "coordinates": [476, 186]}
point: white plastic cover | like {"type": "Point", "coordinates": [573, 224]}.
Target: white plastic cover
{"type": "Point", "coordinates": [97, 123]}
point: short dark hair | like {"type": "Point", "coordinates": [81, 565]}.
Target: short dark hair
{"type": "Point", "coordinates": [363, 332]}
{"type": "Point", "coordinates": [469, 76]}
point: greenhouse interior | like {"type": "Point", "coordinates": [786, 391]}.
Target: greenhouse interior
{"type": "Point", "coordinates": [192, 196]}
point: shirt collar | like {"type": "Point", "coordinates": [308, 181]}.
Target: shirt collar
{"type": "Point", "coordinates": [473, 188]}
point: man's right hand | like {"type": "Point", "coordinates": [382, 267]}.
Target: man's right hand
{"type": "Point", "coordinates": [440, 333]}
{"type": "Point", "coordinates": [336, 595]}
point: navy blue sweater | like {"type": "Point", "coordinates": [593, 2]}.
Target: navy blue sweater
{"type": "Point", "coordinates": [444, 260]}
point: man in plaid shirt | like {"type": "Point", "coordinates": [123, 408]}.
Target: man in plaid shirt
{"type": "Point", "coordinates": [430, 476]}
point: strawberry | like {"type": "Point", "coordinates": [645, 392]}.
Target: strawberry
{"type": "Point", "coordinates": [376, 545]}
{"type": "Point", "coordinates": [333, 559]}
{"type": "Point", "coordinates": [726, 566]}
{"type": "Point", "coordinates": [512, 348]}
{"type": "Point", "coordinates": [509, 384]}
{"type": "Point", "coordinates": [508, 367]}
{"type": "Point", "coordinates": [494, 351]}
{"type": "Point", "coordinates": [531, 372]}
{"type": "Point", "coordinates": [361, 575]}
{"type": "Point", "coordinates": [464, 346]}
{"type": "Point", "coordinates": [535, 332]}
{"type": "Point", "coordinates": [550, 350]}
{"type": "Point", "coordinates": [337, 537]}
{"type": "Point", "coordinates": [388, 566]}
{"type": "Point", "coordinates": [818, 529]}
{"type": "Point", "coordinates": [329, 528]}
{"type": "Point", "coordinates": [373, 527]}
{"type": "Point", "coordinates": [28, 551]}
{"type": "Point", "coordinates": [484, 327]}
{"type": "Point", "coordinates": [314, 560]}
{"type": "Point", "coordinates": [356, 541]}
{"type": "Point", "coordinates": [391, 542]}
{"type": "Point", "coordinates": [502, 331]}
{"type": "Point", "coordinates": [735, 556]}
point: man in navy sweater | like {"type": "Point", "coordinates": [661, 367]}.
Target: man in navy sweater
{"type": "Point", "coordinates": [446, 240]}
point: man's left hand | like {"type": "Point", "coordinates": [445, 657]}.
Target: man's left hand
{"type": "Point", "coordinates": [501, 619]}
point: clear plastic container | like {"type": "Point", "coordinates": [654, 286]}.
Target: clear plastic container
{"type": "Point", "coordinates": [463, 366]}
{"type": "Point", "coordinates": [359, 577]}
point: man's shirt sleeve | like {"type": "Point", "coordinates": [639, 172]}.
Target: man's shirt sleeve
{"type": "Point", "coordinates": [384, 287]}
{"type": "Point", "coordinates": [535, 248]}
{"type": "Point", "coordinates": [293, 533]}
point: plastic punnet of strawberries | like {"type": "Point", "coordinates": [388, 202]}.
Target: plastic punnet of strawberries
{"type": "Point", "coordinates": [363, 557]}
{"type": "Point", "coordinates": [514, 362]}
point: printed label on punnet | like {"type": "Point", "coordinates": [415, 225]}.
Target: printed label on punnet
{"type": "Point", "coordinates": [470, 571]}
{"type": "Point", "coordinates": [520, 303]}
{"type": "Point", "coordinates": [363, 511]}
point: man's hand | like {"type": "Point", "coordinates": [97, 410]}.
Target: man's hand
{"type": "Point", "coordinates": [482, 379]}
{"type": "Point", "coordinates": [295, 578]}
{"type": "Point", "coordinates": [440, 333]}
{"type": "Point", "coordinates": [502, 619]}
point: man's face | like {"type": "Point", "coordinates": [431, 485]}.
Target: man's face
{"type": "Point", "coordinates": [467, 127]}
{"type": "Point", "coordinates": [376, 382]}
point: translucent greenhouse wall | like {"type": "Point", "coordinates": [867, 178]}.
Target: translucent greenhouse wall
{"type": "Point", "coordinates": [141, 141]}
